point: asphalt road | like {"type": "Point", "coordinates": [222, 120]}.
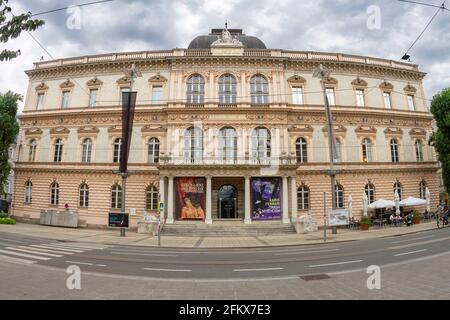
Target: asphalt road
{"type": "Point", "coordinates": [226, 264]}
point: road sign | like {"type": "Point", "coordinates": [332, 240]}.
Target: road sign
{"type": "Point", "coordinates": [338, 217]}
{"type": "Point", "coordinates": [118, 220]}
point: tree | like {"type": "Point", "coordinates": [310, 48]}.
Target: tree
{"type": "Point", "coordinates": [12, 28]}
{"type": "Point", "coordinates": [440, 140]}
{"type": "Point", "coordinates": [8, 131]}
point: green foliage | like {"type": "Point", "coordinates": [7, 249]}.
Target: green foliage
{"type": "Point", "coordinates": [416, 214]}
{"type": "Point", "coordinates": [3, 215]}
{"type": "Point", "coordinates": [440, 140]}
{"type": "Point", "coordinates": [7, 221]}
{"type": "Point", "coordinates": [366, 220]}
{"type": "Point", "coordinates": [8, 131]}
{"type": "Point", "coordinates": [11, 28]}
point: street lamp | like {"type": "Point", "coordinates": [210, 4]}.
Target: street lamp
{"type": "Point", "coordinates": [324, 74]}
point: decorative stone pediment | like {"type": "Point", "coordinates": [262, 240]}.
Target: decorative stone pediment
{"type": "Point", "coordinates": [386, 86]}
{"type": "Point", "coordinates": [115, 129]}
{"type": "Point", "coordinates": [337, 129]}
{"type": "Point", "coordinates": [35, 132]}
{"type": "Point", "coordinates": [330, 81]}
{"type": "Point", "coordinates": [125, 80]}
{"type": "Point", "coordinates": [88, 130]}
{"type": "Point", "coordinates": [358, 82]}
{"type": "Point", "coordinates": [67, 84]}
{"type": "Point", "coordinates": [417, 132]}
{"type": "Point", "coordinates": [153, 129]}
{"type": "Point", "coordinates": [59, 131]}
{"type": "Point", "coordinates": [366, 130]}
{"type": "Point", "coordinates": [94, 82]}
{"type": "Point", "coordinates": [157, 79]}
{"type": "Point", "coordinates": [42, 87]}
{"type": "Point", "coordinates": [410, 89]}
{"type": "Point", "coordinates": [305, 128]}
{"type": "Point", "coordinates": [296, 79]}
{"type": "Point", "coordinates": [393, 131]}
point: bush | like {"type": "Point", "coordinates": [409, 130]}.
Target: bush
{"type": "Point", "coordinates": [3, 215]}
{"type": "Point", "coordinates": [366, 220]}
{"type": "Point", "coordinates": [7, 221]}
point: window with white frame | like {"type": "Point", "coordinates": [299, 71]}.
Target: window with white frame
{"type": "Point", "coordinates": [54, 194]}
{"type": "Point", "coordinates": [261, 144]}
{"type": "Point", "coordinates": [84, 196]}
{"type": "Point", "coordinates": [93, 97]}
{"type": "Point", "coordinates": [116, 196]}
{"type": "Point", "coordinates": [152, 198]}
{"type": "Point", "coordinates": [387, 100]}
{"type": "Point", "coordinates": [360, 98]}
{"type": "Point", "coordinates": [398, 188]}
{"type": "Point", "coordinates": [153, 150]}
{"type": "Point", "coordinates": [259, 90]}
{"type": "Point", "coordinates": [157, 92]}
{"type": "Point", "coordinates": [195, 93]}
{"type": "Point", "coordinates": [228, 144]}
{"type": "Point", "coordinates": [339, 196]}
{"type": "Point", "coordinates": [301, 150]}
{"type": "Point", "coordinates": [303, 198]}
{"type": "Point", "coordinates": [58, 150]}
{"type": "Point", "coordinates": [331, 96]}
{"type": "Point", "coordinates": [423, 190]}
{"type": "Point", "coordinates": [40, 101]}
{"type": "Point", "coordinates": [65, 99]}
{"type": "Point", "coordinates": [28, 192]}
{"type": "Point", "coordinates": [411, 105]}
{"type": "Point", "coordinates": [367, 150]}
{"type": "Point", "coordinates": [394, 150]}
{"type": "Point", "coordinates": [419, 150]}
{"type": "Point", "coordinates": [117, 150]}
{"type": "Point", "coordinates": [338, 150]}
{"type": "Point", "coordinates": [297, 95]}
{"type": "Point", "coordinates": [227, 89]}
{"type": "Point", "coordinates": [369, 189]}
{"type": "Point", "coordinates": [86, 150]}
{"type": "Point", "coordinates": [193, 144]}
{"type": "Point", "coordinates": [32, 150]}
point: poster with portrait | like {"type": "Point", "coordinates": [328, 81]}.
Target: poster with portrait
{"type": "Point", "coordinates": [266, 198]}
{"type": "Point", "coordinates": [190, 194]}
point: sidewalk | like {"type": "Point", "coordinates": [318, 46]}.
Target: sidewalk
{"type": "Point", "coordinates": [132, 238]}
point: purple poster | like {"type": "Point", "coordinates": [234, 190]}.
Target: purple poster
{"type": "Point", "coordinates": [266, 198]}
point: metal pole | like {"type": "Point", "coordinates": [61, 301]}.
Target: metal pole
{"type": "Point", "coordinates": [124, 185]}
{"type": "Point", "coordinates": [324, 217]}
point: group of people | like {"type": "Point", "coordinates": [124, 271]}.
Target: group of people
{"type": "Point", "coordinates": [443, 212]}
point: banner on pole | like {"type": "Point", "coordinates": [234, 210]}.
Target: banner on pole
{"type": "Point", "coordinates": [128, 107]}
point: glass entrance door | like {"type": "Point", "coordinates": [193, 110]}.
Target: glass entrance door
{"type": "Point", "coordinates": [228, 202]}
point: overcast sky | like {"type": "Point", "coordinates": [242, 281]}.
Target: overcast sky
{"type": "Point", "coordinates": [316, 25]}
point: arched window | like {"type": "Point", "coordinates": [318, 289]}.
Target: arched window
{"type": "Point", "coordinates": [367, 150]}
{"type": "Point", "coordinates": [398, 188]}
{"type": "Point", "coordinates": [28, 192]}
{"type": "Point", "coordinates": [394, 150]}
{"type": "Point", "coordinates": [54, 194]}
{"type": "Point", "coordinates": [301, 150]}
{"type": "Point", "coordinates": [84, 195]}
{"type": "Point", "coordinates": [153, 150]}
{"type": "Point", "coordinates": [116, 197]}
{"type": "Point", "coordinates": [87, 150]}
{"type": "Point", "coordinates": [117, 150]}
{"type": "Point", "coordinates": [339, 191]}
{"type": "Point", "coordinates": [259, 90]}
{"type": "Point", "coordinates": [261, 144]}
{"type": "Point", "coordinates": [338, 150]}
{"type": "Point", "coordinates": [152, 198]}
{"type": "Point", "coordinates": [195, 89]}
{"type": "Point", "coordinates": [369, 189]}
{"type": "Point", "coordinates": [423, 190]}
{"type": "Point", "coordinates": [32, 150]}
{"type": "Point", "coordinates": [228, 144]}
{"type": "Point", "coordinates": [58, 150]}
{"type": "Point", "coordinates": [419, 151]}
{"type": "Point", "coordinates": [303, 198]}
{"type": "Point", "coordinates": [193, 144]}
{"type": "Point", "coordinates": [227, 89]}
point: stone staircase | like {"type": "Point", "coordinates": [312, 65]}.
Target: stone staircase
{"type": "Point", "coordinates": [227, 229]}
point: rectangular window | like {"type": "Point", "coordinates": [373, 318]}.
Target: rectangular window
{"type": "Point", "coordinates": [387, 100]}
{"type": "Point", "coordinates": [411, 105]}
{"type": "Point", "coordinates": [65, 99]}
{"type": "Point", "coordinates": [40, 101]}
{"type": "Point", "coordinates": [297, 95]}
{"type": "Point", "coordinates": [157, 94]}
{"type": "Point", "coordinates": [93, 97]}
{"type": "Point", "coordinates": [122, 90]}
{"type": "Point", "coordinates": [331, 97]}
{"type": "Point", "coordinates": [360, 98]}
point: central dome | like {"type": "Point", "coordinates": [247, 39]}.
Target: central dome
{"type": "Point", "coordinates": [205, 41]}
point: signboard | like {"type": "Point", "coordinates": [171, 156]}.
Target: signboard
{"type": "Point", "coordinates": [338, 217]}
{"type": "Point", "coordinates": [160, 206]}
{"type": "Point", "coordinates": [266, 198]}
{"type": "Point", "coordinates": [118, 220]}
{"type": "Point", "coordinates": [190, 198]}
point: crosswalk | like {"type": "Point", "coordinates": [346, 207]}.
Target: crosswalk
{"type": "Point", "coordinates": [33, 253]}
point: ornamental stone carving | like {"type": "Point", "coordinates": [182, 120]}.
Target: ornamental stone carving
{"type": "Point", "coordinates": [115, 129]}
{"type": "Point", "coordinates": [67, 84]}
{"type": "Point", "coordinates": [393, 131]}
{"type": "Point", "coordinates": [417, 132]}
{"type": "Point", "coordinates": [158, 78]}
{"type": "Point", "coordinates": [337, 129]}
{"type": "Point", "coordinates": [125, 80]}
{"type": "Point", "coordinates": [410, 89]}
{"type": "Point", "coordinates": [59, 131]}
{"type": "Point", "coordinates": [88, 130]}
{"type": "Point", "coordinates": [366, 130]}
{"type": "Point", "coordinates": [296, 79]}
{"type": "Point", "coordinates": [358, 82]}
{"type": "Point", "coordinates": [94, 82]}
{"type": "Point", "coordinates": [226, 40]}
{"type": "Point", "coordinates": [329, 81]}
{"type": "Point", "coordinates": [386, 86]}
{"type": "Point", "coordinates": [42, 87]}
{"type": "Point", "coordinates": [36, 132]}
{"type": "Point", "coordinates": [306, 128]}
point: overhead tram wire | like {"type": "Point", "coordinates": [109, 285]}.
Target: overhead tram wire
{"type": "Point", "coordinates": [427, 4]}
{"type": "Point", "coordinates": [75, 5]}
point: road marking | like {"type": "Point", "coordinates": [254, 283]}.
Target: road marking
{"type": "Point", "coordinates": [169, 270]}
{"type": "Point", "coordinates": [17, 260]}
{"type": "Point", "coordinates": [86, 263]}
{"type": "Point", "coordinates": [18, 241]}
{"type": "Point", "coordinates": [48, 250]}
{"type": "Point", "coordinates": [419, 243]}
{"type": "Point", "coordinates": [24, 255]}
{"type": "Point", "coordinates": [411, 252]}
{"type": "Point", "coordinates": [262, 269]}
{"type": "Point", "coordinates": [35, 252]}
{"type": "Point", "coordinates": [76, 246]}
{"type": "Point", "coordinates": [412, 239]}
{"type": "Point", "coordinates": [334, 264]}
{"type": "Point", "coordinates": [144, 254]}
{"type": "Point", "coordinates": [302, 252]}
{"type": "Point", "coordinates": [56, 248]}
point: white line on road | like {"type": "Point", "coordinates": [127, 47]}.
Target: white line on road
{"type": "Point", "coordinates": [412, 239]}
{"type": "Point", "coordinates": [169, 270]}
{"type": "Point", "coordinates": [411, 252]}
{"type": "Point", "coordinates": [143, 254]}
{"type": "Point", "coordinates": [261, 269]}
{"type": "Point", "coordinates": [35, 252]}
{"type": "Point", "coordinates": [86, 263]}
{"type": "Point", "coordinates": [419, 243]}
{"type": "Point", "coordinates": [18, 241]}
{"type": "Point", "coordinates": [55, 248]}
{"type": "Point", "coordinates": [334, 264]}
{"type": "Point", "coordinates": [24, 255]}
{"type": "Point", "coordinates": [76, 246]}
{"type": "Point", "coordinates": [47, 250]}
{"type": "Point", "coordinates": [16, 260]}
{"type": "Point", "coordinates": [303, 252]}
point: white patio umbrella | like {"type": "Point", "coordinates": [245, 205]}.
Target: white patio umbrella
{"type": "Point", "coordinates": [365, 203]}
{"type": "Point", "coordinates": [397, 203]}
{"type": "Point", "coordinates": [428, 199]}
{"type": "Point", "coordinates": [412, 202]}
{"type": "Point", "coordinates": [350, 205]}
{"type": "Point", "coordinates": [381, 204]}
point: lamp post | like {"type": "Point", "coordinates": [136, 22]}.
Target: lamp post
{"type": "Point", "coordinates": [324, 74]}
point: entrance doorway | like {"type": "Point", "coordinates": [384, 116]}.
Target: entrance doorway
{"type": "Point", "coordinates": [227, 197]}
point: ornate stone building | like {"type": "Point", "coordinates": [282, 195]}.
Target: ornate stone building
{"type": "Point", "coordinates": [226, 129]}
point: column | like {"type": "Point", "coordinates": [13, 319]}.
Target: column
{"type": "Point", "coordinates": [208, 219]}
{"type": "Point", "coordinates": [293, 198]}
{"type": "Point", "coordinates": [285, 206]}
{"type": "Point", "coordinates": [162, 197]}
{"type": "Point", "coordinates": [247, 219]}
{"type": "Point", "coordinates": [170, 202]}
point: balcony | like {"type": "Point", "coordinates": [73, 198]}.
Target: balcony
{"type": "Point", "coordinates": [208, 161]}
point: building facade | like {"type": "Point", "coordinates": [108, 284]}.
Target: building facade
{"type": "Point", "coordinates": [226, 129]}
